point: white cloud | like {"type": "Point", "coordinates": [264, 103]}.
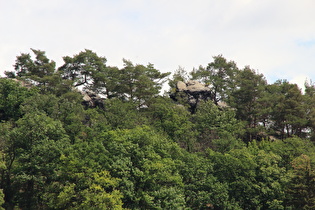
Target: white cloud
{"type": "Point", "coordinates": [274, 37]}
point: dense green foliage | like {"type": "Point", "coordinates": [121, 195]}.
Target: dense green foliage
{"type": "Point", "coordinates": [142, 150]}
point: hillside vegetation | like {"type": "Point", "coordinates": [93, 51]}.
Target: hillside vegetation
{"type": "Point", "coordinates": [87, 135]}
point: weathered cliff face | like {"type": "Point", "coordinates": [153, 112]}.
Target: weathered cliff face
{"type": "Point", "coordinates": [92, 100]}
{"type": "Point", "coordinates": [192, 92]}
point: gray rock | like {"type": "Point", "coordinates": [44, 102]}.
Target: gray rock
{"type": "Point", "coordinates": [193, 92]}
{"type": "Point", "coordinates": [222, 104]}
{"type": "Point", "coordinates": [194, 85]}
{"type": "Point", "coordinates": [86, 97]}
{"type": "Point", "coordinates": [181, 86]}
{"type": "Point", "coordinates": [92, 100]}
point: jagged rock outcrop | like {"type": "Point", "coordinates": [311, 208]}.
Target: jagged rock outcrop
{"type": "Point", "coordinates": [181, 86]}
{"type": "Point", "coordinates": [92, 100]}
{"type": "Point", "coordinates": [195, 86]}
{"type": "Point", "coordinates": [192, 92]}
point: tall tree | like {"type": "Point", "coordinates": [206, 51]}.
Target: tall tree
{"type": "Point", "coordinates": [309, 97]}
{"type": "Point", "coordinates": [301, 191]}
{"type": "Point", "coordinates": [203, 190]}
{"type": "Point", "coordinates": [218, 75]}
{"type": "Point", "coordinates": [288, 113]}
{"type": "Point", "coordinates": [122, 114]}
{"type": "Point", "coordinates": [40, 72]}
{"type": "Point", "coordinates": [81, 182]}
{"type": "Point", "coordinates": [217, 128]}
{"type": "Point", "coordinates": [246, 99]}
{"type": "Point", "coordinates": [139, 83]}
{"type": "Point", "coordinates": [32, 146]}
{"type": "Point", "coordinates": [87, 70]}
{"type": "Point", "coordinates": [174, 120]}
{"type": "Point", "coordinates": [66, 108]}
{"type": "Point", "coordinates": [147, 164]}
{"type": "Point", "coordinates": [255, 179]}
{"type": "Point", "coordinates": [12, 95]}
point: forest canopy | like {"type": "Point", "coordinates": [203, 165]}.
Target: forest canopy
{"type": "Point", "coordinates": [87, 135]}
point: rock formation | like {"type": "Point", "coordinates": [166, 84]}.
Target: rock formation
{"type": "Point", "coordinates": [92, 100]}
{"type": "Point", "coordinates": [192, 92]}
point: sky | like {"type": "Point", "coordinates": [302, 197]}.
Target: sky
{"type": "Point", "coordinates": [273, 37]}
